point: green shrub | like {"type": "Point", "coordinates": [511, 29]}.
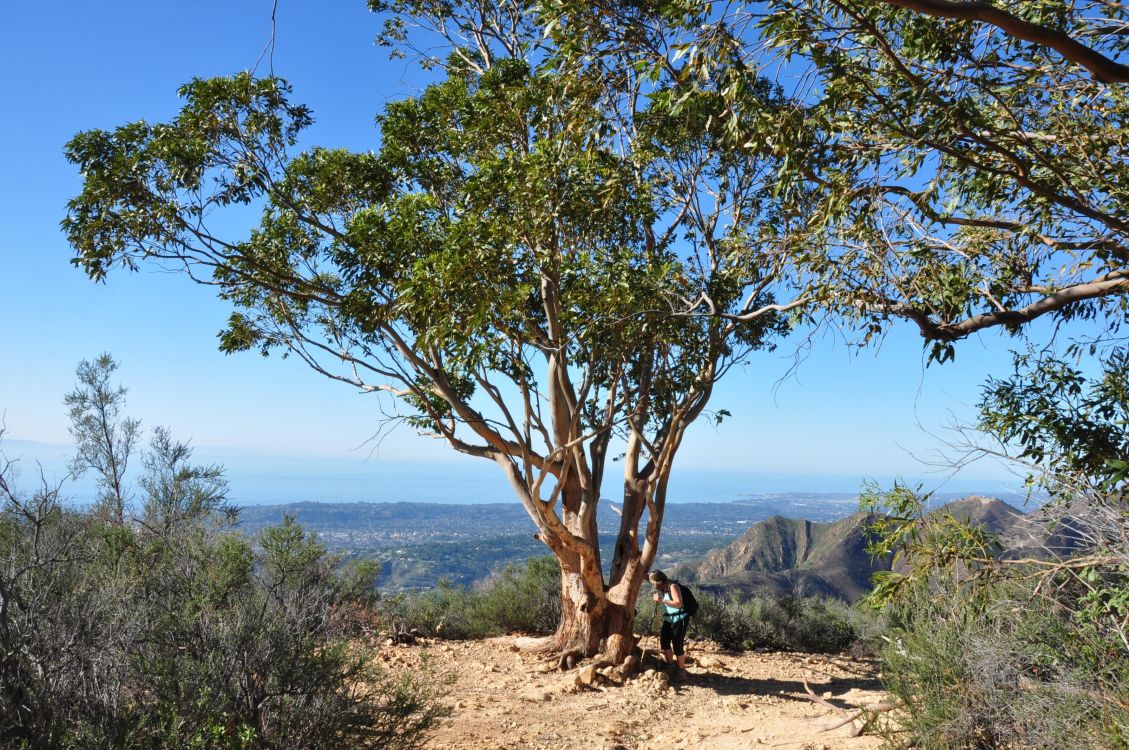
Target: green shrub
{"type": "Point", "coordinates": [1031, 648]}
{"type": "Point", "coordinates": [521, 598]}
{"type": "Point", "coordinates": [157, 625]}
{"type": "Point", "coordinates": [1008, 670]}
{"type": "Point", "coordinates": [782, 623]}
{"type": "Point", "coordinates": [445, 610]}
{"type": "Point", "coordinates": [188, 635]}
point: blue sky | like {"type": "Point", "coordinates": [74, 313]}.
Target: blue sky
{"type": "Point", "coordinates": [284, 432]}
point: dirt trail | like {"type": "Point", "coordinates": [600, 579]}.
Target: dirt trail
{"type": "Point", "coordinates": [505, 699]}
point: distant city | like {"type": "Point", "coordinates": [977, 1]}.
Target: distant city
{"type": "Point", "coordinates": [423, 543]}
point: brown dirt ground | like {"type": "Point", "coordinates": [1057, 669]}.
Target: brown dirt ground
{"type": "Point", "coordinates": [506, 699]}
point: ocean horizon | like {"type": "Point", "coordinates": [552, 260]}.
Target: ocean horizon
{"type": "Point", "coordinates": [267, 479]}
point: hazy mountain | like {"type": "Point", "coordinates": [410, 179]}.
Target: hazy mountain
{"type": "Point", "coordinates": [787, 556]}
{"type": "Point", "coordinates": [784, 555]}
{"type": "Point", "coordinates": [993, 515]}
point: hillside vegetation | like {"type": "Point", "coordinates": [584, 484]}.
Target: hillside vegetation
{"type": "Point", "coordinates": [151, 620]}
{"type": "Point", "coordinates": [173, 630]}
{"type": "Point", "coordinates": [153, 623]}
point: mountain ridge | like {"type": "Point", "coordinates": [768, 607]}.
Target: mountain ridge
{"type": "Point", "coordinates": [808, 558]}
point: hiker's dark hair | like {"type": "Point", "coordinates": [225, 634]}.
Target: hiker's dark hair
{"type": "Point", "coordinates": [657, 576]}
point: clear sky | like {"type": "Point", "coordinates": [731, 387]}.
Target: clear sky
{"type": "Point", "coordinates": [284, 432]}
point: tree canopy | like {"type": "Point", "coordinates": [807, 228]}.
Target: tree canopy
{"type": "Point", "coordinates": [958, 165]}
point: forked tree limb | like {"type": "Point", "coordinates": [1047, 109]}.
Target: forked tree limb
{"type": "Point", "coordinates": [1100, 67]}
{"type": "Point", "coordinates": [867, 714]}
{"type": "Point", "coordinates": [1115, 282]}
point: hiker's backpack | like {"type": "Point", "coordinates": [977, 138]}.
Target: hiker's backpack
{"type": "Point", "coordinates": [689, 603]}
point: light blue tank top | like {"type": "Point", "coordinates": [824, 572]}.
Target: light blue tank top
{"type": "Point", "coordinates": [673, 614]}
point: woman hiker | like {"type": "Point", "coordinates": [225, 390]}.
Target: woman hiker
{"type": "Point", "coordinates": [672, 637]}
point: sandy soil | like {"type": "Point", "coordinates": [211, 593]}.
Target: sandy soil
{"type": "Point", "coordinates": [503, 698]}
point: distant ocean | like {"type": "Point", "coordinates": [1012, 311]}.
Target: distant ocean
{"type": "Point", "coordinates": [460, 484]}
{"type": "Point", "coordinates": [265, 479]}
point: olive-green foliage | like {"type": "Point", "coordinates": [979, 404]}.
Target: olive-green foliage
{"type": "Point", "coordinates": [523, 599]}
{"type": "Point", "coordinates": [186, 634]}
{"type": "Point", "coordinates": [162, 626]}
{"type": "Point", "coordinates": [1071, 424]}
{"type": "Point", "coordinates": [785, 623]}
{"type": "Point", "coordinates": [990, 651]}
{"type": "Point", "coordinates": [1010, 671]}
{"type": "Point", "coordinates": [947, 172]}
{"type": "Point", "coordinates": [995, 164]}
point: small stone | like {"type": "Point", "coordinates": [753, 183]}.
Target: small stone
{"type": "Point", "coordinates": [586, 676]}
{"type": "Point", "coordinates": [615, 728]}
{"type": "Point", "coordinates": [628, 667]}
{"type": "Point", "coordinates": [828, 694]}
{"type": "Point", "coordinates": [537, 696]}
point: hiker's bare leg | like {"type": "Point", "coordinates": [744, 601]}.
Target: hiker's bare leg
{"type": "Point", "coordinates": [669, 654]}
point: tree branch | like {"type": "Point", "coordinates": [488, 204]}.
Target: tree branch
{"type": "Point", "coordinates": [1115, 282]}
{"type": "Point", "coordinates": [1101, 68]}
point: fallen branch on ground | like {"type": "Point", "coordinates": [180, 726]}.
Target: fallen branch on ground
{"type": "Point", "coordinates": [867, 714]}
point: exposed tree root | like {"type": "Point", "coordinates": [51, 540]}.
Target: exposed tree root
{"type": "Point", "coordinates": [536, 645]}
{"type": "Point", "coordinates": [549, 652]}
{"type": "Point", "coordinates": [569, 659]}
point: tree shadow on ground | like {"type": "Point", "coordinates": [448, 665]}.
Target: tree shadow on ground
{"type": "Point", "coordinates": [725, 684]}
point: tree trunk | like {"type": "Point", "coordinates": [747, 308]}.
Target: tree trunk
{"type": "Point", "coordinates": [579, 630]}
{"type": "Point", "coordinates": [592, 623]}
{"type": "Point", "coordinates": [597, 618]}
{"type": "Point", "coordinates": [595, 621]}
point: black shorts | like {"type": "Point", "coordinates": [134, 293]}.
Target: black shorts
{"type": "Point", "coordinates": [674, 633]}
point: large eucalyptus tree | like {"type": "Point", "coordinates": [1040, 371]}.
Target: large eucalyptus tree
{"type": "Point", "coordinates": [504, 268]}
